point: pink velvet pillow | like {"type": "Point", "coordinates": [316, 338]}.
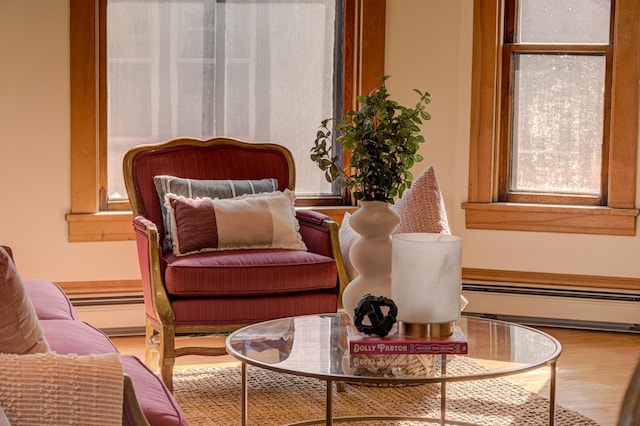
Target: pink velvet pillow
{"type": "Point", "coordinates": [20, 329]}
{"type": "Point", "coordinates": [248, 222]}
{"type": "Point", "coordinates": [421, 207]}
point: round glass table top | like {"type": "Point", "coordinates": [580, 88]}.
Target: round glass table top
{"type": "Point", "coordinates": [317, 346]}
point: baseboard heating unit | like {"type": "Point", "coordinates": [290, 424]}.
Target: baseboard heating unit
{"type": "Point", "coordinates": [554, 306]}
{"type": "Point", "coordinates": [116, 315]}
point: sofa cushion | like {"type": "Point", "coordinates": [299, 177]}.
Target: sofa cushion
{"type": "Point", "coordinates": [20, 329]}
{"type": "Point", "coordinates": [249, 221]}
{"type": "Point", "coordinates": [249, 272]}
{"type": "Point", "coordinates": [76, 337]}
{"type": "Point", "coordinates": [248, 310]}
{"type": "Point", "coordinates": [194, 188]}
{"type": "Point", "coordinates": [53, 389]}
{"type": "Point", "coordinates": [49, 300]}
{"type": "Point", "coordinates": [157, 403]}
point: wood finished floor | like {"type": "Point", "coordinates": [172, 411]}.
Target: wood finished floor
{"type": "Point", "coordinates": [593, 370]}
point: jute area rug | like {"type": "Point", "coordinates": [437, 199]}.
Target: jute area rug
{"type": "Point", "coordinates": [211, 396]}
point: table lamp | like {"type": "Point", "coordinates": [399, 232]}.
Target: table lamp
{"type": "Point", "coordinates": [426, 279]}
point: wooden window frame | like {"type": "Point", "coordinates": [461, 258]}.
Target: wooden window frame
{"type": "Point", "coordinates": [91, 219]}
{"type": "Point", "coordinates": [484, 210]}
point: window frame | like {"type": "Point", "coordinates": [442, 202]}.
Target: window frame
{"type": "Point", "coordinates": [91, 217]}
{"type": "Point", "coordinates": [485, 208]}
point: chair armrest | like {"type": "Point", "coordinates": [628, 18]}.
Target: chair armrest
{"type": "Point", "coordinates": [131, 412]}
{"type": "Point", "coordinates": [152, 268]}
{"type": "Point", "coordinates": [320, 234]}
{"type": "Point", "coordinates": [315, 234]}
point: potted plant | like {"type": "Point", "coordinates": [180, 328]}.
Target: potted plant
{"type": "Point", "coordinates": [382, 140]}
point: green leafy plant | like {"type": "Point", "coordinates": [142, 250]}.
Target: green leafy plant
{"type": "Point", "coordinates": [382, 139]}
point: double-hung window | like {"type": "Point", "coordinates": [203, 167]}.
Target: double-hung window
{"type": "Point", "coordinates": [147, 71]}
{"type": "Point", "coordinates": [554, 116]}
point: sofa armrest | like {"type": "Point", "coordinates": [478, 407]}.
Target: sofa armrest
{"type": "Point", "coordinates": [131, 412]}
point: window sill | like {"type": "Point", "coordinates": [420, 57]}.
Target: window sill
{"type": "Point", "coordinates": [103, 226]}
{"type": "Point", "coordinates": [550, 218]}
{"type": "Point", "coordinates": [117, 225]}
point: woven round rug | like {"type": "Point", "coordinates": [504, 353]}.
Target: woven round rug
{"type": "Point", "coordinates": [211, 396]}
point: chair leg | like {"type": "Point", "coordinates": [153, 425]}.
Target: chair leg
{"type": "Point", "coordinates": [167, 355]}
{"type": "Point", "coordinates": [151, 348]}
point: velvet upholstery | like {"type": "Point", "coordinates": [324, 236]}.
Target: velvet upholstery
{"type": "Point", "coordinates": [76, 337]}
{"type": "Point", "coordinates": [49, 300]}
{"type": "Point", "coordinates": [249, 273]}
{"type": "Point", "coordinates": [158, 404]}
{"type": "Point", "coordinates": [217, 311]}
{"type": "Point", "coordinates": [222, 290]}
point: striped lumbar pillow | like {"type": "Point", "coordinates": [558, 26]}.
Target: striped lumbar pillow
{"type": "Point", "coordinates": [247, 222]}
{"type": "Point", "coordinates": [194, 188]}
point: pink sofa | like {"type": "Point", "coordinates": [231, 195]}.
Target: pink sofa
{"type": "Point", "coordinates": [67, 335]}
{"type": "Point", "coordinates": [146, 400]}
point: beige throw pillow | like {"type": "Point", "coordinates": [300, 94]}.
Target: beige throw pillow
{"type": "Point", "coordinates": [52, 389]}
{"type": "Point", "coordinates": [20, 329]}
{"type": "Point", "coordinates": [195, 188]}
{"type": "Point", "coordinates": [259, 221]}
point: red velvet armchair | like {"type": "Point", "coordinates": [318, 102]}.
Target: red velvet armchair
{"type": "Point", "coordinates": [219, 291]}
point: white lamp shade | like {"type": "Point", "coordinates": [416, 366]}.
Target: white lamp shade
{"type": "Point", "coordinates": [426, 277]}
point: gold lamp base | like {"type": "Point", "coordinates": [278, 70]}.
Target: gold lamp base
{"type": "Point", "coordinates": [425, 330]}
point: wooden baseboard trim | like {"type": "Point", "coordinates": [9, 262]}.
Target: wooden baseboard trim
{"type": "Point", "coordinates": [76, 288]}
{"type": "Point", "coordinates": [544, 278]}
{"type": "Point", "coordinates": [489, 275]}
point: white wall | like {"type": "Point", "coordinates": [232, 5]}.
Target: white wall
{"type": "Point", "coordinates": [35, 150]}
{"type": "Point", "coordinates": [428, 47]}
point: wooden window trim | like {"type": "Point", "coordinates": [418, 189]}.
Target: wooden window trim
{"type": "Point", "coordinates": [88, 220]}
{"type": "Point", "coordinates": [482, 211]}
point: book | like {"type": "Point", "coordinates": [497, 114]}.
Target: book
{"type": "Point", "coordinates": [394, 343]}
{"type": "Point", "coordinates": [401, 365]}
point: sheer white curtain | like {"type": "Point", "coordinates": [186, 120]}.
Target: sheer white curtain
{"type": "Point", "coordinates": [258, 70]}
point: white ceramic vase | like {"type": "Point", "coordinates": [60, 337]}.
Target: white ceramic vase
{"type": "Point", "coordinates": [374, 221]}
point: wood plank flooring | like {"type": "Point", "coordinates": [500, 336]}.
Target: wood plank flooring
{"type": "Point", "coordinates": [593, 370]}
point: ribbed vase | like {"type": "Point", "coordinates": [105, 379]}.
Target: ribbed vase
{"type": "Point", "coordinates": [374, 221]}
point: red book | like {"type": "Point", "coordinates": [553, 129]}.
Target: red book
{"type": "Point", "coordinates": [394, 343]}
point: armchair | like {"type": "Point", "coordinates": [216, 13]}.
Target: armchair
{"type": "Point", "coordinates": [219, 290]}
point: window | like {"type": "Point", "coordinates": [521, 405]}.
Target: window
{"type": "Point", "coordinates": [221, 69]}
{"type": "Point", "coordinates": [261, 71]}
{"type": "Point", "coordinates": [554, 116]}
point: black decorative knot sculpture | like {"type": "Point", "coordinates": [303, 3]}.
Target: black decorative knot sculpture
{"type": "Point", "coordinates": [370, 307]}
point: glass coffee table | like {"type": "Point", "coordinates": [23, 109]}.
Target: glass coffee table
{"type": "Point", "coordinates": [316, 346]}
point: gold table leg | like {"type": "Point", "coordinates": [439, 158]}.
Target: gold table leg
{"type": "Point", "coordinates": [443, 389]}
{"type": "Point", "coordinates": [243, 396]}
{"type": "Point", "coordinates": [552, 394]}
{"type": "Point", "coordinates": [329, 404]}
